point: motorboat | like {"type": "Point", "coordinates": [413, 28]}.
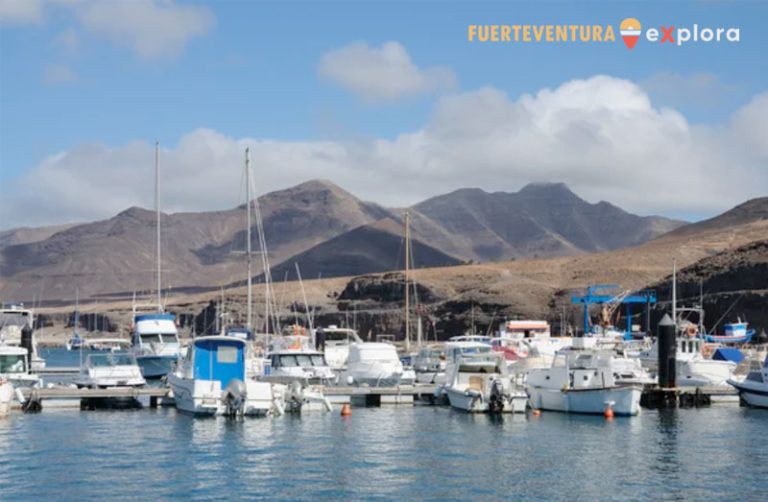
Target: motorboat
{"type": "Point", "coordinates": [155, 342]}
{"type": "Point", "coordinates": [17, 329]}
{"type": "Point", "coordinates": [373, 364]}
{"type": "Point", "coordinates": [15, 368]}
{"type": "Point", "coordinates": [753, 390]}
{"type": "Point", "coordinates": [582, 380]}
{"type": "Point", "coordinates": [334, 342]}
{"type": "Point", "coordinates": [211, 380]}
{"type": "Point", "coordinates": [110, 370]}
{"type": "Point", "coordinates": [107, 344]}
{"type": "Point", "coordinates": [694, 369]}
{"type": "Point", "coordinates": [480, 383]}
{"type": "Point", "coordinates": [429, 364]}
{"type": "Point", "coordinates": [291, 359]}
{"type": "Point", "coordinates": [529, 344]}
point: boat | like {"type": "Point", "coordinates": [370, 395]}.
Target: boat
{"type": "Point", "coordinates": [529, 344]}
{"type": "Point", "coordinates": [372, 364]}
{"type": "Point", "coordinates": [429, 364]}
{"type": "Point", "coordinates": [107, 344]}
{"type": "Point", "coordinates": [155, 342]}
{"type": "Point", "coordinates": [581, 380]}
{"type": "Point", "coordinates": [735, 332]}
{"type": "Point", "coordinates": [6, 397]}
{"type": "Point", "coordinates": [291, 359]}
{"type": "Point", "coordinates": [15, 368]}
{"type": "Point", "coordinates": [75, 342]}
{"type": "Point", "coordinates": [17, 329]}
{"type": "Point", "coordinates": [480, 383]}
{"type": "Point", "coordinates": [753, 390]}
{"type": "Point", "coordinates": [211, 380]}
{"type": "Point", "coordinates": [334, 342]}
{"type": "Point", "coordinates": [109, 370]}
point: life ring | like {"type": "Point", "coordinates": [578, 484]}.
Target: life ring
{"type": "Point", "coordinates": [691, 330]}
{"type": "Point", "coordinates": [707, 350]}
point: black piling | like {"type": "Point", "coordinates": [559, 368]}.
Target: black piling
{"type": "Point", "coordinates": [667, 363]}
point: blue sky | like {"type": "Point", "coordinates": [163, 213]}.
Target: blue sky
{"type": "Point", "coordinates": [251, 70]}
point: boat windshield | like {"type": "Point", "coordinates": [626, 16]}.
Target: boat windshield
{"type": "Point", "coordinates": [301, 360]}
{"type": "Point", "coordinates": [158, 338]}
{"type": "Point", "coordinates": [12, 363]}
{"type": "Point", "coordinates": [476, 350]}
{"type": "Point", "coordinates": [337, 336]}
{"type": "Point", "coordinates": [20, 319]}
{"type": "Point", "coordinates": [102, 360]}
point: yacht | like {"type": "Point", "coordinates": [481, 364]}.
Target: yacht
{"type": "Point", "coordinates": [109, 370]}
{"type": "Point", "coordinates": [17, 328]}
{"type": "Point", "coordinates": [211, 380]}
{"type": "Point", "coordinates": [529, 344]}
{"type": "Point", "coordinates": [582, 380]}
{"type": "Point", "coordinates": [373, 364]}
{"type": "Point", "coordinates": [479, 383]}
{"type": "Point", "coordinates": [753, 390]}
{"type": "Point", "coordinates": [155, 342]}
{"type": "Point", "coordinates": [334, 342]}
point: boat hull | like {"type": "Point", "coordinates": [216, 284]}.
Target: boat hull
{"type": "Point", "coordinates": [475, 403]}
{"type": "Point", "coordinates": [154, 367]}
{"type": "Point", "coordinates": [752, 394]}
{"type": "Point", "coordinates": [196, 397]}
{"type": "Point", "coordinates": [626, 400]}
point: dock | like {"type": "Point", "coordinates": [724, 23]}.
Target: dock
{"type": "Point", "coordinates": [687, 397]}
{"type": "Point", "coordinates": [34, 398]}
{"type": "Point", "coordinates": [377, 396]}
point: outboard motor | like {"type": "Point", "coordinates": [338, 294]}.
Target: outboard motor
{"type": "Point", "coordinates": [234, 398]}
{"type": "Point", "coordinates": [496, 400]}
{"type": "Point", "coordinates": [27, 343]}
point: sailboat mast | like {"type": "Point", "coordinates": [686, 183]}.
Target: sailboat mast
{"type": "Point", "coordinates": [407, 277]}
{"type": "Point", "coordinates": [674, 291]}
{"type": "Point", "coordinates": [157, 224]}
{"type": "Point", "coordinates": [249, 313]}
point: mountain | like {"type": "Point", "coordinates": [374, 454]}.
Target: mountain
{"type": "Point", "coordinates": [324, 228]}
{"type": "Point", "coordinates": [753, 210]}
{"type": "Point", "coordinates": [24, 235]}
{"type": "Point", "coordinates": [377, 247]}
{"type": "Point", "coordinates": [540, 220]}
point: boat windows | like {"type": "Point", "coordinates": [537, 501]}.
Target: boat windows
{"type": "Point", "coordinates": [151, 338]}
{"type": "Point", "coordinates": [226, 354]}
{"type": "Point", "coordinates": [318, 360]}
{"type": "Point", "coordinates": [19, 319]}
{"type": "Point", "coordinates": [122, 359]}
{"type": "Point", "coordinates": [12, 363]}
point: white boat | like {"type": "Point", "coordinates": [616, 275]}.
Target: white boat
{"type": "Point", "coordinates": [109, 370]}
{"type": "Point", "coordinates": [155, 342]}
{"type": "Point", "coordinates": [211, 380]}
{"type": "Point", "coordinates": [107, 344]}
{"type": "Point", "coordinates": [529, 344]}
{"type": "Point", "coordinates": [373, 364]}
{"type": "Point", "coordinates": [753, 390]}
{"type": "Point", "coordinates": [693, 368]}
{"type": "Point", "coordinates": [17, 328]}
{"type": "Point", "coordinates": [581, 380]}
{"type": "Point", "coordinates": [6, 397]}
{"type": "Point", "coordinates": [479, 383]}
{"type": "Point", "coordinates": [429, 364]}
{"type": "Point", "coordinates": [299, 365]}
{"type": "Point", "coordinates": [334, 342]}
{"type": "Point", "coordinates": [14, 367]}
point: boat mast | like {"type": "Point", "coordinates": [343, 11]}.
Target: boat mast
{"type": "Point", "coordinates": [407, 273]}
{"type": "Point", "coordinates": [674, 291]}
{"type": "Point", "coordinates": [248, 314]}
{"type": "Point", "coordinates": [157, 223]}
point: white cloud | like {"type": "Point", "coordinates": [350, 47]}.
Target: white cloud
{"type": "Point", "coordinates": [57, 73]}
{"type": "Point", "coordinates": [602, 136]}
{"type": "Point", "coordinates": [381, 74]}
{"type": "Point", "coordinates": [20, 11]}
{"type": "Point", "coordinates": [152, 29]}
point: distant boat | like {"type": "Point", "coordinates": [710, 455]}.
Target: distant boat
{"type": "Point", "coordinates": [735, 332]}
{"type": "Point", "coordinates": [76, 342]}
{"type": "Point", "coordinates": [110, 370]}
{"type": "Point", "coordinates": [753, 390]}
{"type": "Point", "coordinates": [17, 329]}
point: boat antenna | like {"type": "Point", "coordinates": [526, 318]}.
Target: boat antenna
{"type": "Point", "coordinates": [407, 273]}
{"type": "Point", "coordinates": [248, 309]}
{"type": "Point", "coordinates": [157, 224]}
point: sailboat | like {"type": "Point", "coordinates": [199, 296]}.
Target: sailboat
{"type": "Point", "coordinates": [76, 342]}
{"type": "Point", "coordinates": [155, 339]}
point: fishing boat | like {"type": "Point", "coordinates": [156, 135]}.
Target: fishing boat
{"type": "Point", "coordinates": [480, 383]}
{"type": "Point", "coordinates": [211, 380]}
{"type": "Point", "coordinates": [373, 364]}
{"type": "Point", "coordinates": [581, 380]}
{"type": "Point", "coordinates": [753, 390]}
{"type": "Point", "coordinates": [17, 329]}
{"type": "Point", "coordinates": [735, 332]}
{"type": "Point", "coordinates": [110, 370]}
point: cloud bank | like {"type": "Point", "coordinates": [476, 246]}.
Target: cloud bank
{"type": "Point", "coordinates": [602, 136]}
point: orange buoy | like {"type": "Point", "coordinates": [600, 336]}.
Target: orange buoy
{"type": "Point", "coordinates": [608, 413]}
{"type": "Point", "coordinates": [346, 411]}
{"type": "Point", "coordinates": [535, 412]}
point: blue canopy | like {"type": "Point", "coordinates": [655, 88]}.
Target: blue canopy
{"type": "Point", "coordinates": [728, 354]}
{"type": "Point", "coordinates": [219, 358]}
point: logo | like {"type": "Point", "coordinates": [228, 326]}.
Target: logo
{"type": "Point", "coordinates": [630, 30]}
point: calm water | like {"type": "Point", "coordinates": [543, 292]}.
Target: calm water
{"type": "Point", "coordinates": [396, 453]}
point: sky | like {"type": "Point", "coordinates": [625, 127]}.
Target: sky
{"type": "Point", "coordinates": [387, 99]}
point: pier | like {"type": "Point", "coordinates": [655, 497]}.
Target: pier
{"type": "Point", "coordinates": [33, 398]}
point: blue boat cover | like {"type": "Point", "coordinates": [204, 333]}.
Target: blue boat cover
{"type": "Point", "coordinates": [222, 360]}
{"type": "Point", "coordinates": [728, 354]}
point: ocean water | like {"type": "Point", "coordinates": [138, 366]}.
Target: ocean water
{"type": "Point", "coordinates": [388, 453]}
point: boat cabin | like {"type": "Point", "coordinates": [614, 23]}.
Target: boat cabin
{"type": "Point", "coordinates": [13, 360]}
{"type": "Point", "coordinates": [220, 358]}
